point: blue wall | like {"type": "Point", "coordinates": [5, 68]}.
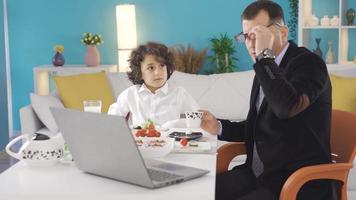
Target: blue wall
{"type": "Point", "coordinates": [4, 127]}
{"type": "Point", "coordinates": [36, 25]}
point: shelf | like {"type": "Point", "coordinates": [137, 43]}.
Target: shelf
{"type": "Point", "coordinates": [342, 36]}
{"type": "Point", "coordinates": [348, 27]}
{"type": "Point", "coordinates": [320, 27]}
{"type": "Point", "coordinates": [342, 65]}
{"type": "Point", "coordinates": [44, 84]}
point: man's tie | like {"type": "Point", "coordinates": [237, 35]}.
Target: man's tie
{"type": "Point", "coordinates": [257, 165]}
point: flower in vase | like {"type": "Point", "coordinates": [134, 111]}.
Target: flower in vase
{"type": "Point", "coordinates": [58, 48]}
{"type": "Point", "coordinates": [92, 39]}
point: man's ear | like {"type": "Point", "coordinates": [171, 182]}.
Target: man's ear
{"type": "Point", "coordinates": [284, 32]}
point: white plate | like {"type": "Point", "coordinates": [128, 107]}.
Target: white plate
{"type": "Point", "coordinates": [203, 147]}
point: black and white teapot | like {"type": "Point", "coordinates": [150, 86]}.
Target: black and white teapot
{"type": "Point", "coordinates": [38, 149]}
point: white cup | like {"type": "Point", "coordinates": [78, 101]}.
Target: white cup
{"type": "Point", "coordinates": [193, 119]}
{"type": "Point", "coordinates": [92, 106]}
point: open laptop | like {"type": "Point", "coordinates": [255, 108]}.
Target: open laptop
{"type": "Point", "coordinates": [104, 145]}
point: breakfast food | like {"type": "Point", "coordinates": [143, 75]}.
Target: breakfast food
{"type": "Point", "coordinates": [193, 143]}
{"type": "Point", "coordinates": [183, 141]}
{"type": "Point", "coordinates": [151, 143]}
{"type": "Point", "coordinates": [148, 130]}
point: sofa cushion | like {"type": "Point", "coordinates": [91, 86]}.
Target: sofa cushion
{"type": "Point", "coordinates": [227, 95]}
{"type": "Point", "coordinates": [344, 93]}
{"type": "Point", "coordinates": [118, 82]}
{"type": "Point", "coordinates": [41, 105]}
{"type": "Point", "coordinates": [74, 89]}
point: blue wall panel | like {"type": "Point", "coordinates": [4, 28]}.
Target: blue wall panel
{"type": "Point", "coordinates": [36, 25]}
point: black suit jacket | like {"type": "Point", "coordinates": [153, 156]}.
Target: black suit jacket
{"type": "Point", "coordinates": [285, 143]}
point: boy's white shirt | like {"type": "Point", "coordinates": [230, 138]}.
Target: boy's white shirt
{"type": "Point", "coordinates": [165, 105]}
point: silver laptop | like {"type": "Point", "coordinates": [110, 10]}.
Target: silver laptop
{"type": "Point", "coordinates": [104, 145]}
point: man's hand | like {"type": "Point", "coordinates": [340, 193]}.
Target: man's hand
{"type": "Point", "coordinates": [263, 37]}
{"type": "Point", "coordinates": [209, 123]}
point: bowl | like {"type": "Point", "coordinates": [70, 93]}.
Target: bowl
{"type": "Point", "coordinates": [154, 147]}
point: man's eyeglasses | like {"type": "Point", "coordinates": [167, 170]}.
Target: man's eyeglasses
{"type": "Point", "coordinates": [242, 37]}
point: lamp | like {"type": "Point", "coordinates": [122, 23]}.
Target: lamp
{"type": "Point", "coordinates": [126, 34]}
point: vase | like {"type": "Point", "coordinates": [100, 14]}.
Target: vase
{"type": "Point", "coordinates": [318, 51]}
{"type": "Point", "coordinates": [325, 21]}
{"type": "Point", "coordinates": [350, 16]}
{"type": "Point", "coordinates": [334, 21]}
{"type": "Point", "coordinates": [313, 21]}
{"type": "Point", "coordinates": [92, 56]}
{"type": "Point", "coordinates": [58, 59]}
{"type": "Point", "coordinates": [330, 56]}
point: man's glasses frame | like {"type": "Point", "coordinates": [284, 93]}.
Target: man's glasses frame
{"type": "Point", "coordinates": [242, 37]}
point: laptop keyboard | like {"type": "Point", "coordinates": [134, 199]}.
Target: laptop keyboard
{"type": "Point", "coordinates": [157, 175]}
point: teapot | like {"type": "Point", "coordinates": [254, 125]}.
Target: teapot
{"type": "Point", "coordinates": [38, 150]}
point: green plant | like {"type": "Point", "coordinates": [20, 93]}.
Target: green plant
{"type": "Point", "coordinates": [223, 48]}
{"type": "Point", "coordinates": [90, 39]}
{"type": "Point", "coordinates": [187, 59]}
{"type": "Point", "coordinates": [293, 21]}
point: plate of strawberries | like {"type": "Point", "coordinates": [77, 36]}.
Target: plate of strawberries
{"type": "Point", "coordinates": [147, 130]}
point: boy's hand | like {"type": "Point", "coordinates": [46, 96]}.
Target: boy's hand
{"type": "Point", "coordinates": [209, 123]}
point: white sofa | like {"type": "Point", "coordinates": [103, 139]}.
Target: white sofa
{"type": "Point", "coordinates": [212, 92]}
{"type": "Point", "coordinates": [225, 95]}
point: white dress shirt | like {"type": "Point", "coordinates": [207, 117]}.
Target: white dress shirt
{"type": "Point", "coordinates": [166, 104]}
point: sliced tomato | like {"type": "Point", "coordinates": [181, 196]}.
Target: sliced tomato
{"type": "Point", "coordinates": [151, 133]}
{"type": "Point", "coordinates": [183, 141]}
{"type": "Point", "coordinates": [140, 133]}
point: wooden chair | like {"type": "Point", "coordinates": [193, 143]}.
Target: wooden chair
{"type": "Point", "coordinates": [343, 144]}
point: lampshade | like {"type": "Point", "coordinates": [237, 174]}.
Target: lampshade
{"type": "Point", "coordinates": [123, 56]}
{"type": "Point", "coordinates": [126, 33]}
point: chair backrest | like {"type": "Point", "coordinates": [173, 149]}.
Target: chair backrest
{"type": "Point", "coordinates": [343, 136]}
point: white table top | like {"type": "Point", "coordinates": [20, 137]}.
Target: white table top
{"type": "Point", "coordinates": [65, 181]}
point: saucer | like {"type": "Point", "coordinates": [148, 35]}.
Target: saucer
{"type": "Point", "coordinates": [180, 135]}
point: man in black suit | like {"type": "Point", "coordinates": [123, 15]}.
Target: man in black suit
{"type": "Point", "coordinates": [288, 124]}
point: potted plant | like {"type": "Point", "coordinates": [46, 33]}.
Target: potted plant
{"type": "Point", "coordinates": [223, 48]}
{"type": "Point", "coordinates": [92, 56]}
{"type": "Point", "coordinates": [187, 59]}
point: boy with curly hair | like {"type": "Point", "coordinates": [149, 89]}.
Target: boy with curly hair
{"type": "Point", "coordinates": [151, 97]}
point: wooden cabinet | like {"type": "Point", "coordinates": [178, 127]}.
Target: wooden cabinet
{"type": "Point", "coordinates": [342, 35]}
{"type": "Point", "coordinates": [42, 75]}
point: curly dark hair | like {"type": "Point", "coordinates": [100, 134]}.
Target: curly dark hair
{"type": "Point", "coordinates": [160, 51]}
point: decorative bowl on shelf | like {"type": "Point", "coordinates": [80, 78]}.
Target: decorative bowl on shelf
{"type": "Point", "coordinates": [325, 21]}
{"type": "Point", "coordinates": [313, 21]}
{"type": "Point", "coordinates": [334, 21]}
